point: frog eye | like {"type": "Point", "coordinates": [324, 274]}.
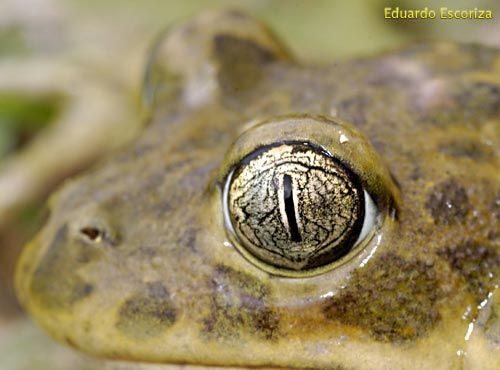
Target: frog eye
{"type": "Point", "coordinates": [294, 208]}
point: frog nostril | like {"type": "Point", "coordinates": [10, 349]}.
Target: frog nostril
{"type": "Point", "coordinates": [98, 235]}
{"type": "Point", "coordinates": [93, 226]}
{"type": "Point", "coordinates": [92, 233]}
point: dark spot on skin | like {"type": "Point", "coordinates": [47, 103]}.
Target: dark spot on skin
{"type": "Point", "coordinates": [87, 326]}
{"type": "Point", "coordinates": [447, 202]}
{"type": "Point", "coordinates": [143, 253]}
{"type": "Point", "coordinates": [70, 342]}
{"type": "Point", "coordinates": [466, 149]}
{"type": "Point", "coordinates": [154, 181]}
{"type": "Point", "coordinates": [355, 109]}
{"type": "Point", "coordinates": [86, 290]}
{"type": "Point", "coordinates": [480, 96]}
{"type": "Point", "coordinates": [416, 173]}
{"type": "Point", "coordinates": [141, 150]}
{"type": "Point", "coordinates": [395, 303]}
{"type": "Point", "coordinates": [147, 313]}
{"type": "Point", "coordinates": [471, 104]}
{"type": "Point", "coordinates": [238, 304]}
{"type": "Point", "coordinates": [477, 263]}
{"type": "Point", "coordinates": [241, 62]}
{"type": "Point", "coordinates": [378, 143]}
{"type": "Point", "coordinates": [187, 239]}
{"type": "Point", "coordinates": [162, 208]}
{"type": "Point", "coordinates": [137, 151]}
{"type": "Point", "coordinates": [56, 284]}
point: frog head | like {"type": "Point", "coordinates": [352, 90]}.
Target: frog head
{"type": "Point", "coordinates": [280, 215]}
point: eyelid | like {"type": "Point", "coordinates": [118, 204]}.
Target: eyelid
{"type": "Point", "coordinates": [338, 138]}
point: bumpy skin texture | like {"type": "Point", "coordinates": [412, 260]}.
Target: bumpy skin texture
{"type": "Point", "coordinates": [135, 262]}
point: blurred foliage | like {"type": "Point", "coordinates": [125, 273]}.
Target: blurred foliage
{"type": "Point", "coordinates": [22, 116]}
{"type": "Point", "coordinates": [12, 41]}
{"type": "Point", "coordinates": [319, 30]}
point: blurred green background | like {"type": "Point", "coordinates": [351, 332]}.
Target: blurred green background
{"type": "Point", "coordinates": [317, 30]}
{"type": "Point", "coordinates": [107, 42]}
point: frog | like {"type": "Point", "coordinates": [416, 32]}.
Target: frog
{"type": "Point", "coordinates": [280, 215]}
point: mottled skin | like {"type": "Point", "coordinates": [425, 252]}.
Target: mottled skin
{"type": "Point", "coordinates": [135, 262]}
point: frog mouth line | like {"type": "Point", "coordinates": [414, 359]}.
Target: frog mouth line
{"type": "Point", "coordinates": [123, 365]}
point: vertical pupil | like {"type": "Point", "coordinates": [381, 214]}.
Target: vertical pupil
{"type": "Point", "coordinates": [290, 209]}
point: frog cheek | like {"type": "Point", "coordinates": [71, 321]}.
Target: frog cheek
{"type": "Point", "coordinates": [300, 204]}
